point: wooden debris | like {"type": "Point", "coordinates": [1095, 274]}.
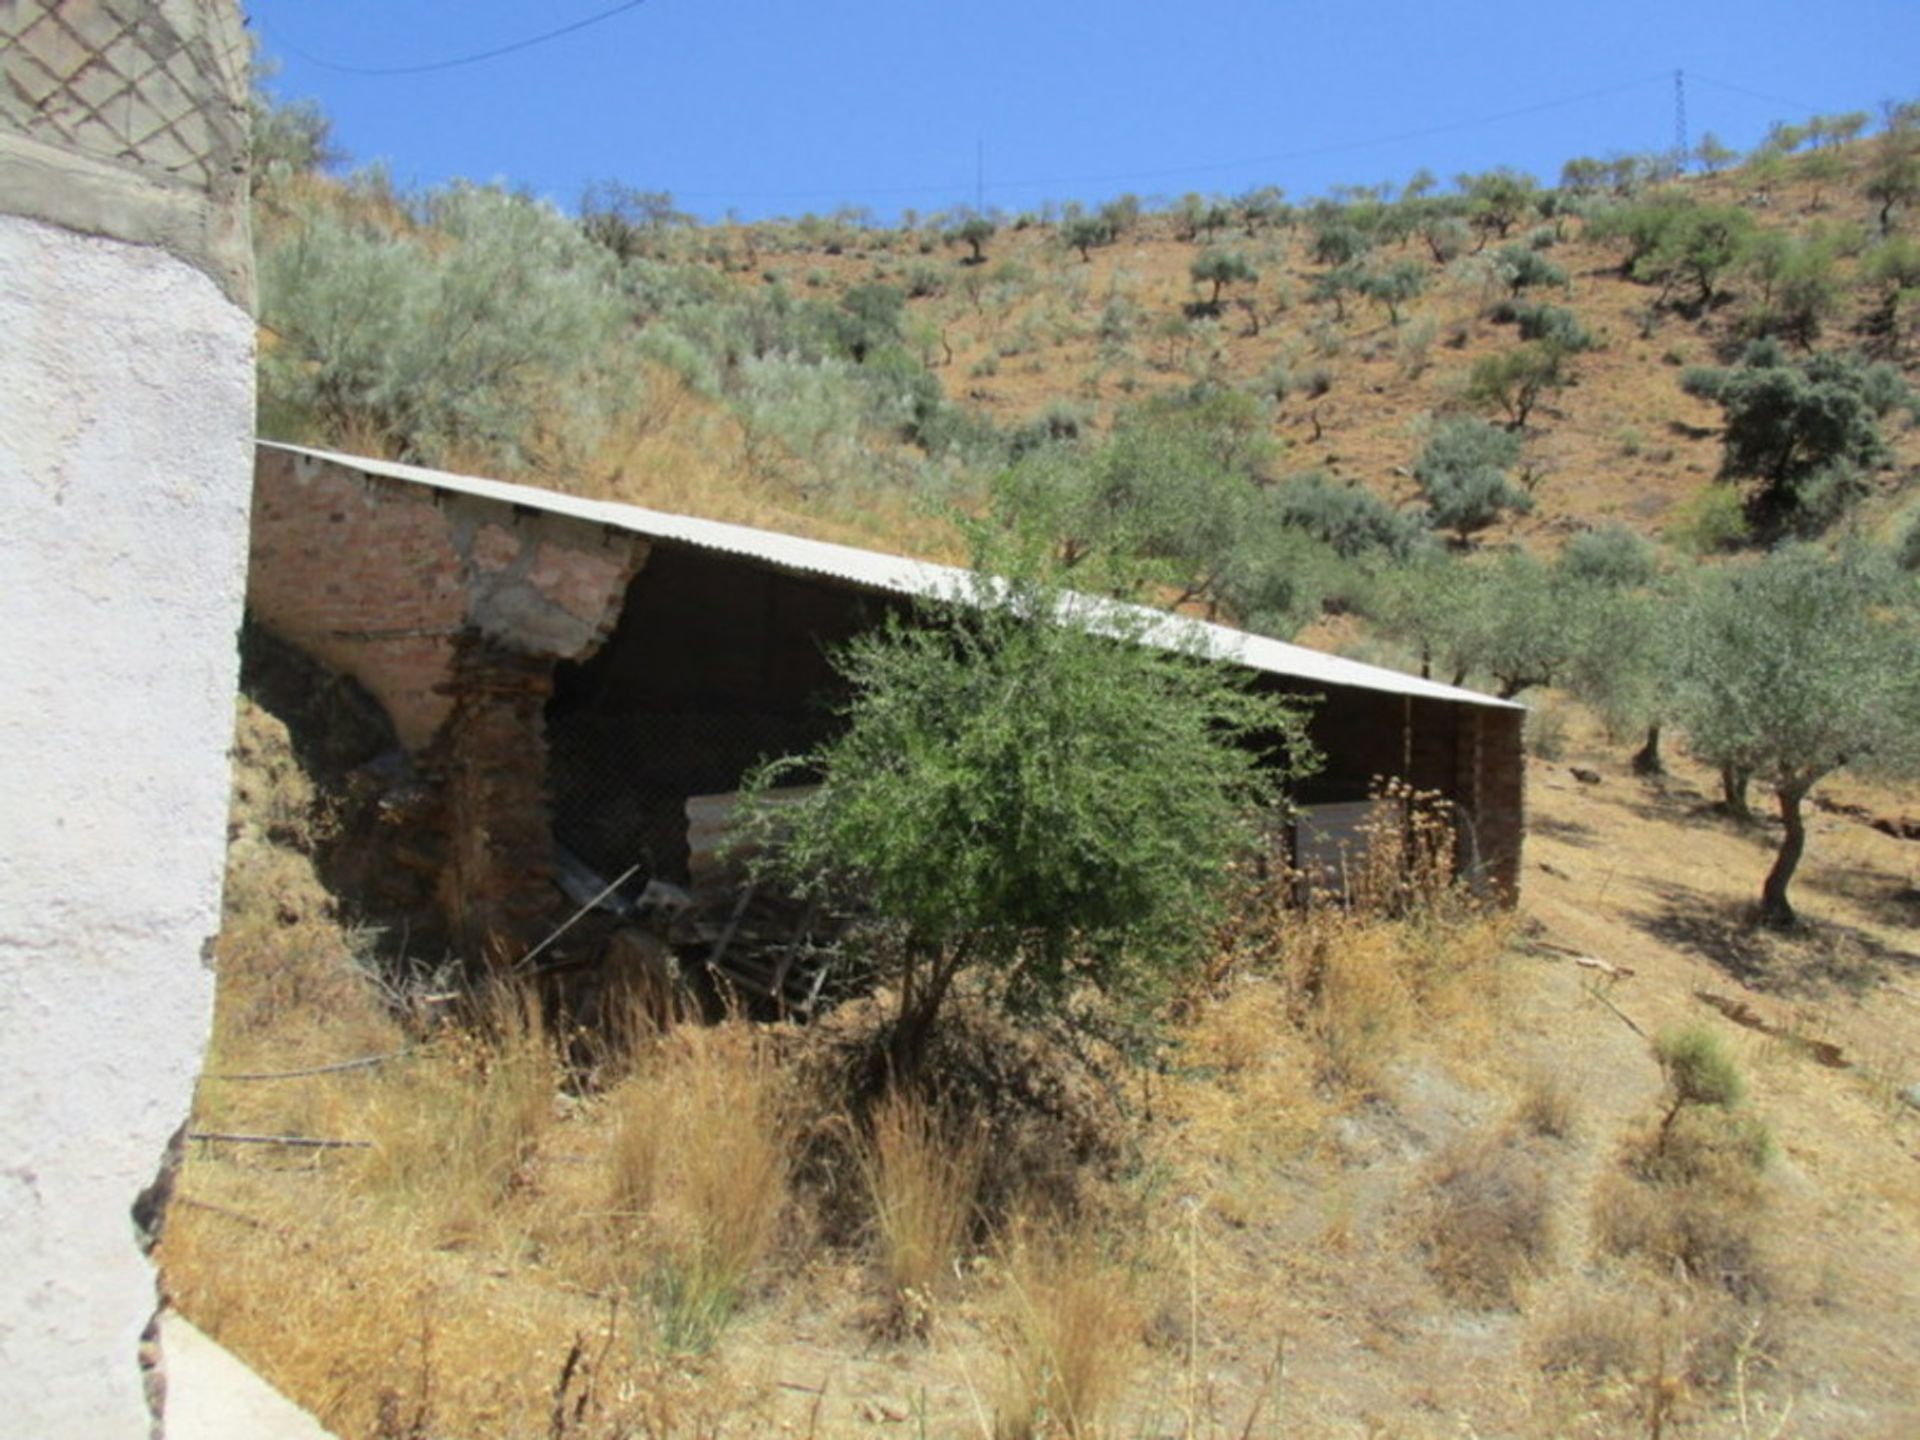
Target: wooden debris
{"type": "Point", "coordinates": [298, 1142]}
{"type": "Point", "coordinates": [1741, 1013]}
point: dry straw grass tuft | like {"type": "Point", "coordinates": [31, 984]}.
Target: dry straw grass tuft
{"type": "Point", "coordinates": [1489, 1221]}
{"type": "Point", "coordinates": [453, 1139]}
{"type": "Point", "coordinates": [1072, 1336]}
{"type": "Point", "coordinates": [1402, 936]}
{"type": "Point", "coordinates": [697, 1176]}
{"type": "Point", "coordinates": [921, 1171]}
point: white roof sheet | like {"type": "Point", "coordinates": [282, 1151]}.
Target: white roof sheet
{"type": "Point", "coordinates": [898, 575]}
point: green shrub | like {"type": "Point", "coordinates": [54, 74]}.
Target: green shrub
{"type": "Point", "coordinates": [1463, 472]}
{"type": "Point", "coordinates": [1698, 1069]}
{"type": "Point", "coordinates": [1352, 520]}
{"type": "Point", "coordinates": [1072, 844]}
{"type": "Point", "coordinates": [486, 330]}
{"type": "Point", "coordinates": [1611, 555]}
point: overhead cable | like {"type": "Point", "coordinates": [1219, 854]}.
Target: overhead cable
{"type": "Point", "coordinates": [475, 58]}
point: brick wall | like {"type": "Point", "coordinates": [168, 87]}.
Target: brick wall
{"type": "Point", "coordinates": [379, 579]}
{"type": "Point", "coordinates": [452, 611]}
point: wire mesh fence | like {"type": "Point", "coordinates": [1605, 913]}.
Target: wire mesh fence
{"type": "Point", "coordinates": [620, 782]}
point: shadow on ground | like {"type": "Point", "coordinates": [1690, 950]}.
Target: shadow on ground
{"type": "Point", "coordinates": [1809, 960]}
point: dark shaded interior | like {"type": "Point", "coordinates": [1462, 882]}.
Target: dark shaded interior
{"type": "Point", "coordinates": [715, 665]}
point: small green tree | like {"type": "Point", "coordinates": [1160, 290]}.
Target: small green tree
{"type": "Point", "coordinates": [1024, 790]}
{"type": "Point", "coordinates": [974, 232]}
{"type": "Point", "coordinates": [1221, 268]}
{"type": "Point", "coordinates": [1799, 429]}
{"type": "Point", "coordinates": [1463, 473]}
{"type": "Point", "coordinates": [1391, 286]}
{"type": "Point", "coordinates": [1695, 245]}
{"type": "Point", "coordinates": [1516, 379]}
{"type": "Point", "coordinates": [1893, 181]}
{"type": "Point", "coordinates": [1893, 269]}
{"type": "Point", "coordinates": [1498, 199]}
{"type": "Point", "coordinates": [1712, 155]}
{"type": "Point", "coordinates": [1084, 232]}
{"type": "Point", "coordinates": [1521, 266]}
{"type": "Point", "coordinates": [1791, 667]}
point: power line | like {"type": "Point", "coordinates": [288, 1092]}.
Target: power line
{"type": "Point", "coordinates": [1200, 168]}
{"type": "Point", "coordinates": [1800, 106]}
{"type": "Point", "coordinates": [476, 58]}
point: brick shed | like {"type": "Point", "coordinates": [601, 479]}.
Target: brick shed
{"type": "Point", "coordinates": [572, 670]}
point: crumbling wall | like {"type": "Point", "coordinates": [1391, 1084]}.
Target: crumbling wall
{"type": "Point", "coordinates": [452, 611]}
{"type": "Point", "coordinates": [126, 416]}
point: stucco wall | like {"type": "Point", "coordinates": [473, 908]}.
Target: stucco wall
{"type": "Point", "coordinates": [126, 413]}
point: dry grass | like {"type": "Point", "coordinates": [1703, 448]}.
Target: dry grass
{"type": "Point", "coordinates": [1488, 1224]}
{"type": "Point", "coordinates": [697, 1177]}
{"type": "Point", "coordinates": [921, 1170]}
{"type": "Point", "coordinates": [454, 1139]}
{"type": "Point", "coordinates": [1402, 943]}
{"type": "Point", "coordinates": [1547, 1105]}
{"type": "Point", "coordinates": [1072, 1333]}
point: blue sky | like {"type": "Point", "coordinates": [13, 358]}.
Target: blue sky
{"type": "Point", "coordinates": [770, 108]}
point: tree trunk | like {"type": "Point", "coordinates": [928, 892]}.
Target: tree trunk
{"type": "Point", "coordinates": [924, 986]}
{"type": "Point", "coordinates": [1733, 793]}
{"type": "Point", "coordinates": [1646, 760]}
{"type": "Point", "coordinates": [1774, 909]}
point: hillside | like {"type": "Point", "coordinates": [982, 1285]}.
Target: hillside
{"type": "Point", "coordinates": [721, 394]}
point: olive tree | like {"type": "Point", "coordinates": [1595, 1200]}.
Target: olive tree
{"type": "Point", "coordinates": [1221, 268]}
{"type": "Point", "coordinates": [1024, 790]}
{"type": "Point", "coordinates": [1793, 666]}
{"type": "Point", "coordinates": [1463, 473]}
{"type": "Point", "coordinates": [1801, 430]}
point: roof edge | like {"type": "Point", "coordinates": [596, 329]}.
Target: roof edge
{"type": "Point", "coordinates": [904, 576]}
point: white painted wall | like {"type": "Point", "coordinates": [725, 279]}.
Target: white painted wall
{"type": "Point", "coordinates": [126, 417]}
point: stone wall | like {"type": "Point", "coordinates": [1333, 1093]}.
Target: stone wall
{"type": "Point", "coordinates": [126, 415]}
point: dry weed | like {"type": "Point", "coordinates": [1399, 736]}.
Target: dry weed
{"type": "Point", "coordinates": [1650, 1355]}
{"type": "Point", "coordinates": [1488, 1225]}
{"type": "Point", "coordinates": [921, 1170]}
{"type": "Point", "coordinates": [1401, 934]}
{"type": "Point", "coordinates": [454, 1133]}
{"type": "Point", "coordinates": [1547, 1105]}
{"type": "Point", "coordinates": [1073, 1334]}
{"type": "Point", "coordinates": [697, 1177]}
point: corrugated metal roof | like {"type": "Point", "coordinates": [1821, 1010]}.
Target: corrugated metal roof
{"type": "Point", "coordinates": [898, 575]}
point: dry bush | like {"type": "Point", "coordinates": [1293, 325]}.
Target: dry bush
{"type": "Point", "coordinates": [1488, 1222]}
{"type": "Point", "coordinates": [455, 1131]}
{"type": "Point", "coordinates": [1072, 1336]}
{"type": "Point", "coordinates": [1596, 1333]}
{"type": "Point", "coordinates": [697, 1176]}
{"type": "Point", "coordinates": [1547, 1105]}
{"type": "Point", "coordinates": [1402, 936]}
{"type": "Point", "coordinates": [1649, 1355]}
{"type": "Point", "coordinates": [1695, 1229]}
{"type": "Point", "coordinates": [1051, 1121]}
{"type": "Point", "coordinates": [921, 1170]}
